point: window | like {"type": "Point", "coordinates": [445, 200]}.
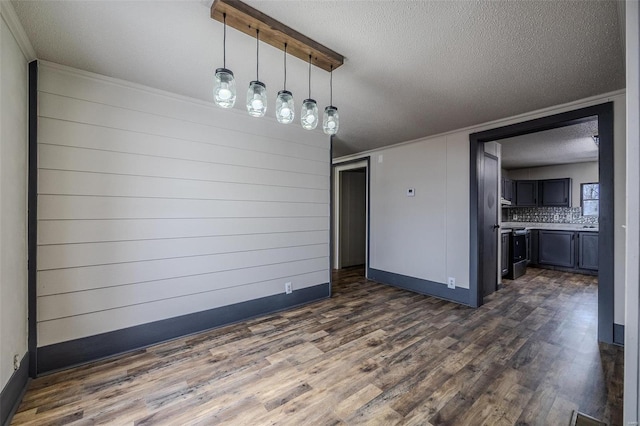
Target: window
{"type": "Point", "coordinates": [590, 198]}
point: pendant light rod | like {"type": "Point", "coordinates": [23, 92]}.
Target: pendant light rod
{"type": "Point", "coordinates": [224, 41]}
{"type": "Point", "coordinates": [245, 18]}
{"type": "Point", "coordinates": [285, 67]}
{"type": "Point", "coordinates": [257, 53]}
{"type": "Point", "coordinates": [309, 76]}
{"type": "Point", "coordinates": [331, 86]}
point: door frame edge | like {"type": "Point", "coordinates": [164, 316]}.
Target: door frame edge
{"type": "Point", "coordinates": [334, 225]}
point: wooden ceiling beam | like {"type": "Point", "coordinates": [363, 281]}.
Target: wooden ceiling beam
{"type": "Point", "coordinates": [246, 19]}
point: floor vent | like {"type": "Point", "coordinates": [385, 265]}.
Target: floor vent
{"type": "Point", "coordinates": [581, 419]}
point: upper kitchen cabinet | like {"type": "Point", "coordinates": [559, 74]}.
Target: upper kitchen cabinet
{"type": "Point", "coordinates": [507, 189]}
{"type": "Point", "coordinates": [543, 193]}
{"type": "Point", "coordinates": [555, 192]}
{"type": "Point", "coordinates": [526, 193]}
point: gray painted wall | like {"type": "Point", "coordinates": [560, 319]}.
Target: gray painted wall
{"type": "Point", "coordinates": [13, 196]}
{"type": "Point", "coordinates": [153, 206]}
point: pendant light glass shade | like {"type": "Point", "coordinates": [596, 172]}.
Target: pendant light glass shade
{"type": "Point", "coordinates": [330, 122]}
{"type": "Point", "coordinates": [257, 99]}
{"type": "Point", "coordinates": [257, 93]}
{"type": "Point", "coordinates": [224, 90]}
{"type": "Point", "coordinates": [309, 114]}
{"type": "Point", "coordinates": [285, 107]}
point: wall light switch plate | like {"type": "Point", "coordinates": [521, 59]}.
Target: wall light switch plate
{"type": "Point", "coordinates": [451, 283]}
{"type": "Point", "coordinates": [411, 192]}
{"type": "Point", "coordinates": [380, 158]}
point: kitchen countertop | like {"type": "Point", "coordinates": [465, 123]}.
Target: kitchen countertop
{"type": "Point", "coordinates": [551, 226]}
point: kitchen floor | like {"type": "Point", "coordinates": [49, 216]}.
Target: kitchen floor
{"type": "Point", "coordinates": [371, 354]}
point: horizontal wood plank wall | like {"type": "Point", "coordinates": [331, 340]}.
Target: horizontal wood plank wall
{"type": "Point", "coordinates": [153, 206]}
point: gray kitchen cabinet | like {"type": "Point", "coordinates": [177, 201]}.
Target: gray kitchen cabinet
{"type": "Point", "coordinates": [507, 189]}
{"type": "Point", "coordinates": [555, 192]}
{"type": "Point", "coordinates": [505, 255]}
{"type": "Point", "coordinates": [556, 248]}
{"type": "Point", "coordinates": [526, 193]}
{"type": "Point", "coordinates": [588, 250]}
{"type": "Point", "coordinates": [533, 253]}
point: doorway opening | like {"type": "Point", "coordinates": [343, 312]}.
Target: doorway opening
{"type": "Point", "coordinates": [351, 215]}
{"type": "Point", "coordinates": [605, 243]}
{"type": "Point", "coordinates": [550, 184]}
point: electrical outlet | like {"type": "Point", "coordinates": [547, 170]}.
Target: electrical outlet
{"type": "Point", "coordinates": [556, 217]}
{"type": "Point", "coordinates": [287, 288]}
{"type": "Point", "coordinates": [451, 283]}
{"type": "Point", "coordinates": [16, 362]}
{"type": "Point", "coordinates": [515, 216]}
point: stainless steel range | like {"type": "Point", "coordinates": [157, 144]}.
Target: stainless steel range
{"type": "Point", "coordinates": [518, 249]}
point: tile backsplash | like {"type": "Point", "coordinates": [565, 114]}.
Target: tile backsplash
{"type": "Point", "coordinates": [547, 215]}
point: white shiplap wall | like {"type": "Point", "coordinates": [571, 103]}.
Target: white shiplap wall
{"type": "Point", "coordinates": [152, 206]}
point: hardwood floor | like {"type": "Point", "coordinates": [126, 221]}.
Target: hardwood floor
{"type": "Point", "coordinates": [371, 354]}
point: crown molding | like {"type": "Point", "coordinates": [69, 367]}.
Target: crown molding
{"type": "Point", "coordinates": [13, 22]}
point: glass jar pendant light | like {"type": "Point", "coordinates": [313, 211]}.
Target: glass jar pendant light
{"type": "Point", "coordinates": [330, 122]}
{"type": "Point", "coordinates": [309, 114]}
{"type": "Point", "coordinates": [257, 93]}
{"type": "Point", "coordinates": [285, 109]}
{"type": "Point", "coordinates": [224, 91]}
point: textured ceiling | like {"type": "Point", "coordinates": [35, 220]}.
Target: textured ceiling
{"type": "Point", "coordinates": [412, 68]}
{"type": "Point", "coordinates": [570, 144]}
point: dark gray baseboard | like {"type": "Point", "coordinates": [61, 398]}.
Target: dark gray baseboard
{"type": "Point", "coordinates": [418, 285]}
{"type": "Point", "coordinates": [81, 351]}
{"type": "Point", "coordinates": [13, 391]}
{"type": "Point", "coordinates": [618, 334]}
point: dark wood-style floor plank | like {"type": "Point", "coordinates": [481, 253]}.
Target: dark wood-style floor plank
{"type": "Point", "coordinates": [371, 354]}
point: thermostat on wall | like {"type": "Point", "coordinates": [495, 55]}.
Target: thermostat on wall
{"type": "Point", "coordinates": [411, 192]}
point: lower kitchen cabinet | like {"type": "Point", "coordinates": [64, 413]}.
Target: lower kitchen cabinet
{"type": "Point", "coordinates": [505, 255]}
{"type": "Point", "coordinates": [533, 249]}
{"type": "Point", "coordinates": [573, 251]}
{"type": "Point", "coordinates": [556, 248]}
{"type": "Point", "coordinates": [588, 250]}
